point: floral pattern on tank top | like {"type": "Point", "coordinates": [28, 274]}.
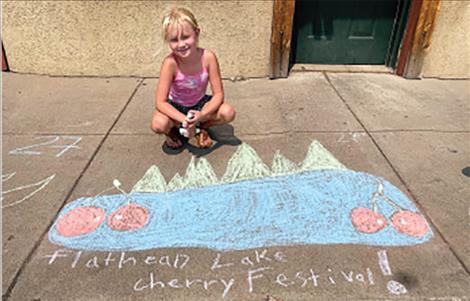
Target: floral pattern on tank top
{"type": "Point", "coordinates": [188, 89]}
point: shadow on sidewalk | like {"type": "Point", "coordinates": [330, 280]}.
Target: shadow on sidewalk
{"type": "Point", "coordinates": [221, 134]}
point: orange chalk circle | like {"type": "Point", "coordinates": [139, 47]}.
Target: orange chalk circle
{"type": "Point", "coordinates": [410, 223]}
{"type": "Point", "coordinates": [80, 221]}
{"type": "Point", "coordinates": [367, 221]}
{"type": "Point", "coordinates": [128, 217]}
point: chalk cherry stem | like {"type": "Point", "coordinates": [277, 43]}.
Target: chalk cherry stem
{"type": "Point", "coordinates": [117, 184]}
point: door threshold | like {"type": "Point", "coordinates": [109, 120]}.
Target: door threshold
{"type": "Point", "coordinates": [341, 68]}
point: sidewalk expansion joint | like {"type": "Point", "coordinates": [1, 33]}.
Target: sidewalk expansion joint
{"type": "Point", "coordinates": [137, 77]}
{"type": "Point", "coordinates": [313, 131]}
{"type": "Point", "coordinates": [10, 288]}
{"type": "Point", "coordinates": [420, 130]}
{"type": "Point", "coordinates": [150, 133]}
{"type": "Point", "coordinates": [418, 204]}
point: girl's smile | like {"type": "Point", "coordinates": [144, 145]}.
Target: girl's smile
{"type": "Point", "coordinates": [183, 40]}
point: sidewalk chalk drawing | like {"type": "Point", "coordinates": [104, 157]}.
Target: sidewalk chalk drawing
{"type": "Point", "coordinates": [47, 144]}
{"type": "Point", "coordinates": [30, 189]}
{"type": "Point", "coordinates": [318, 201]}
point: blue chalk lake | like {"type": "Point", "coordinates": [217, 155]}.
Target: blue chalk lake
{"type": "Point", "coordinates": [306, 208]}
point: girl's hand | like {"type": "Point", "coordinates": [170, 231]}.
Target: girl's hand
{"type": "Point", "coordinates": [195, 117]}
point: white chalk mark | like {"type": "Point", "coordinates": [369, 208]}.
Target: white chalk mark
{"type": "Point", "coordinates": [351, 136]}
{"type": "Point", "coordinates": [68, 146]}
{"type": "Point", "coordinates": [396, 288]}
{"type": "Point", "coordinates": [117, 185]}
{"type": "Point", "coordinates": [357, 136]}
{"type": "Point", "coordinates": [106, 190]}
{"type": "Point", "coordinates": [8, 176]}
{"type": "Point", "coordinates": [43, 183]}
{"type": "Point", "coordinates": [341, 138]}
{"type": "Point", "coordinates": [86, 123]}
{"type": "Point", "coordinates": [26, 150]}
{"type": "Point", "coordinates": [383, 263]}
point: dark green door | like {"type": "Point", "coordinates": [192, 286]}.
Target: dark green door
{"type": "Point", "coordinates": [343, 31]}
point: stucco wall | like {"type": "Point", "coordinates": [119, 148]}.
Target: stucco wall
{"type": "Point", "coordinates": [449, 53]}
{"type": "Point", "coordinates": [123, 38]}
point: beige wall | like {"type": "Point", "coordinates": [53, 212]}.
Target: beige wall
{"type": "Point", "coordinates": [449, 53]}
{"type": "Point", "coordinates": [123, 38]}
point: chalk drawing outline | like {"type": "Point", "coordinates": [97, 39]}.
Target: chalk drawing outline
{"type": "Point", "coordinates": [261, 209]}
{"type": "Point", "coordinates": [25, 150]}
{"type": "Point", "coordinates": [42, 184]}
{"type": "Point", "coordinates": [351, 136]}
{"type": "Point", "coordinates": [68, 146]}
{"type": "Point", "coordinates": [8, 176]}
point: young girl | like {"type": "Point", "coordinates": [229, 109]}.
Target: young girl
{"type": "Point", "coordinates": [183, 81]}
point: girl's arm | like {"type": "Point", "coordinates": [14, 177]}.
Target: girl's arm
{"type": "Point", "coordinates": [167, 72]}
{"type": "Point", "coordinates": [216, 86]}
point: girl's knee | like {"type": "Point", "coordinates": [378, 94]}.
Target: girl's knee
{"type": "Point", "coordinates": [156, 127]}
{"type": "Point", "coordinates": [160, 124]}
{"type": "Point", "coordinates": [227, 113]}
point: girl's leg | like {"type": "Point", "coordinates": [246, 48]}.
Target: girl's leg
{"type": "Point", "coordinates": [224, 114]}
{"type": "Point", "coordinates": [162, 124]}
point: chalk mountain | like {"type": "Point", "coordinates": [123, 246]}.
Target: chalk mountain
{"type": "Point", "coordinates": [245, 164]}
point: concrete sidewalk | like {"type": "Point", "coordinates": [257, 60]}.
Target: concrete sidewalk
{"type": "Point", "coordinates": [69, 138]}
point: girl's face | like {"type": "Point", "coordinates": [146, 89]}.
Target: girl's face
{"type": "Point", "coordinates": [183, 40]}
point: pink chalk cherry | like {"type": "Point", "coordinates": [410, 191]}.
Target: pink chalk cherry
{"type": "Point", "coordinates": [410, 223]}
{"type": "Point", "coordinates": [128, 217]}
{"type": "Point", "coordinates": [80, 221]}
{"type": "Point", "coordinates": [367, 221]}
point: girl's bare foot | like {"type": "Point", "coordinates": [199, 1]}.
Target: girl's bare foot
{"type": "Point", "coordinates": [173, 140]}
{"type": "Point", "coordinates": [203, 140]}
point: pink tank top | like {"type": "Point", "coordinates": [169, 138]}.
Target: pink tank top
{"type": "Point", "coordinates": [188, 89]}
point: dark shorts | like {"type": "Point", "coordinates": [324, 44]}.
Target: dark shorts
{"type": "Point", "coordinates": [197, 107]}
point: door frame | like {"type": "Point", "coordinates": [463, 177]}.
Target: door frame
{"type": "Point", "coordinates": [413, 46]}
{"type": "Point", "coordinates": [417, 39]}
{"type": "Point", "coordinates": [281, 37]}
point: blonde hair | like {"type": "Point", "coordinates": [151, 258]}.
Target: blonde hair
{"type": "Point", "coordinates": [177, 16]}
